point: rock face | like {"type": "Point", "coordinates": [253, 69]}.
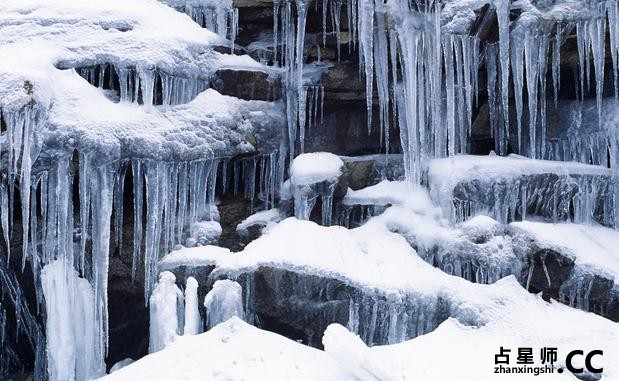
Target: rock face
{"type": "Point", "coordinates": [128, 147]}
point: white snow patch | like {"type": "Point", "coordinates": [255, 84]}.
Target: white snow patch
{"type": "Point", "coordinates": [311, 168]}
{"type": "Point", "coordinates": [384, 193]}
{"type": "Point", "coordinates": [262, 218]}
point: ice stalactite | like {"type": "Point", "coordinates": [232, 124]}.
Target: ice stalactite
{"type": "Point", "coordinates": [166, 310]}
{"type": "Point", "coordinates": [365, 25]}
{"type": "Point", "coordinates": [562, 197]}
{"type": "Point", "coordinates": [224, 301]}
{"type": "Point", "coordinates": [193, 321]}
{"type": "Point", "coordinates": [23, 144]}
{"type": "Point", "coordinates": [178, 195]}
{"type": "Point", "coordinates": [264, 170]}
{"type": "Point", "coordinates": [381, 58]}
{"type": "Point", "coordinates": [499, 134]}
{"type": "Point", "coordinates": [612, 11]}
{"type": "Point", "coordinates": [220, 17]}
{"type": "Point", "coordinates": [422, 131]}
{"type": "Point", "coordinates": [502, 13]}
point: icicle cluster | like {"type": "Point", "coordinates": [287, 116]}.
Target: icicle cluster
{"type": "Point", "coordinates": [141, 85]}
{"type": "Point", "coordinates": [578, 198]}
{"type": "Point", "coordinates": [220, 17]}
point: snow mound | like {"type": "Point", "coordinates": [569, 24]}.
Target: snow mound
{"type": "Point", "coordinates": [234, 350]}
{"type": "Point", "coordinates": [311, 168]}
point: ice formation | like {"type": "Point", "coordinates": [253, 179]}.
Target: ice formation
{"type": "Point", "coordinates": [193, 320]}
{"type": "Point", "coordinates": [166, 312]}
{"type": "Point", "coordinates": [314, 175]}
{"type": "Point", "coordinates": [511, 187]}
{"type": "Point", "coordinates": [74, 346]}
{"type": "Point", "coordinates": [223, 302]}
{"type": "Point", "coordinates": [93, 95]}
{"type": "Point", "coordinates": [388, 305]}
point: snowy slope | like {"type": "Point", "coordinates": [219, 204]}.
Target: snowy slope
{"type": "Point", "coordinates": [236, 351]}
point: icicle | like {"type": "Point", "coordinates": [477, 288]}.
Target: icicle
{"type": "Point", "coordinates": [556, 61]}
{"type": "Point", "coordinates": [381, 56]}
{"type": "Point", "coordinates": [517, 63]}
{"type": "Point", "coordinates": [613, 32]}
{"type": "Point", "coordinates": [531, 55]}
{"type": "Point", "coordinates": [366, 51]}
{"type": "Point", "coordinates": [193, 323]}
{"type": "Point", "coordinates": [4, 218]}
{"type": "Point", "coordinates": [138, 204]}
{"type": "Point", "coordinates": [101, 184]}
{"type": "Point", "coordinates": [493, 111]}
{"type": "Point", "coordinates": [502, 13]}
{"type": "Point", "coordinates": [597, 38]}
{"type": "Point", "coordinates": [302, 107]}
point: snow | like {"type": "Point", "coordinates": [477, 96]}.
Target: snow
{"type": "Point", "coordinates": [192, 257]}
{"type": "Point", "coordinates": [205, 233]}
{"type": "Point", "coordinates": [384, 193]}
{"type": "Point", "coordinates": [262, 218]}
{"type": "Point", "coordinates": [594, 248]}
{"type": "Point", "coordinates": [311, 168]}
{"type": "Point", "coordinates": [223, 301]}
{"type": "Point", "coordinates": [234, 350]}
{"type": "Point", "coordinates": [505, 186]}
{"type": "Point", "coordinates": [375, 260]}
{"type": "Point", "coordinates": [445, 174]}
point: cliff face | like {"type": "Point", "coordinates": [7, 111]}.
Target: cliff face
{"type": "Point", "coordinates": [129, 132]}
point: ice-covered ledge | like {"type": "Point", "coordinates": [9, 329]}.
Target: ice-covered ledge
{"type": "Point", "coordinates": [467, 185]}
{"type": "Point", "coordinates": [138, 47]}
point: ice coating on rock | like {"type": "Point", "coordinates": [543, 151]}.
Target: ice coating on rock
{"type": "Point", "coordinates": [224, 301]}
{"type": "Point", "coordinates": [509, 187]}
